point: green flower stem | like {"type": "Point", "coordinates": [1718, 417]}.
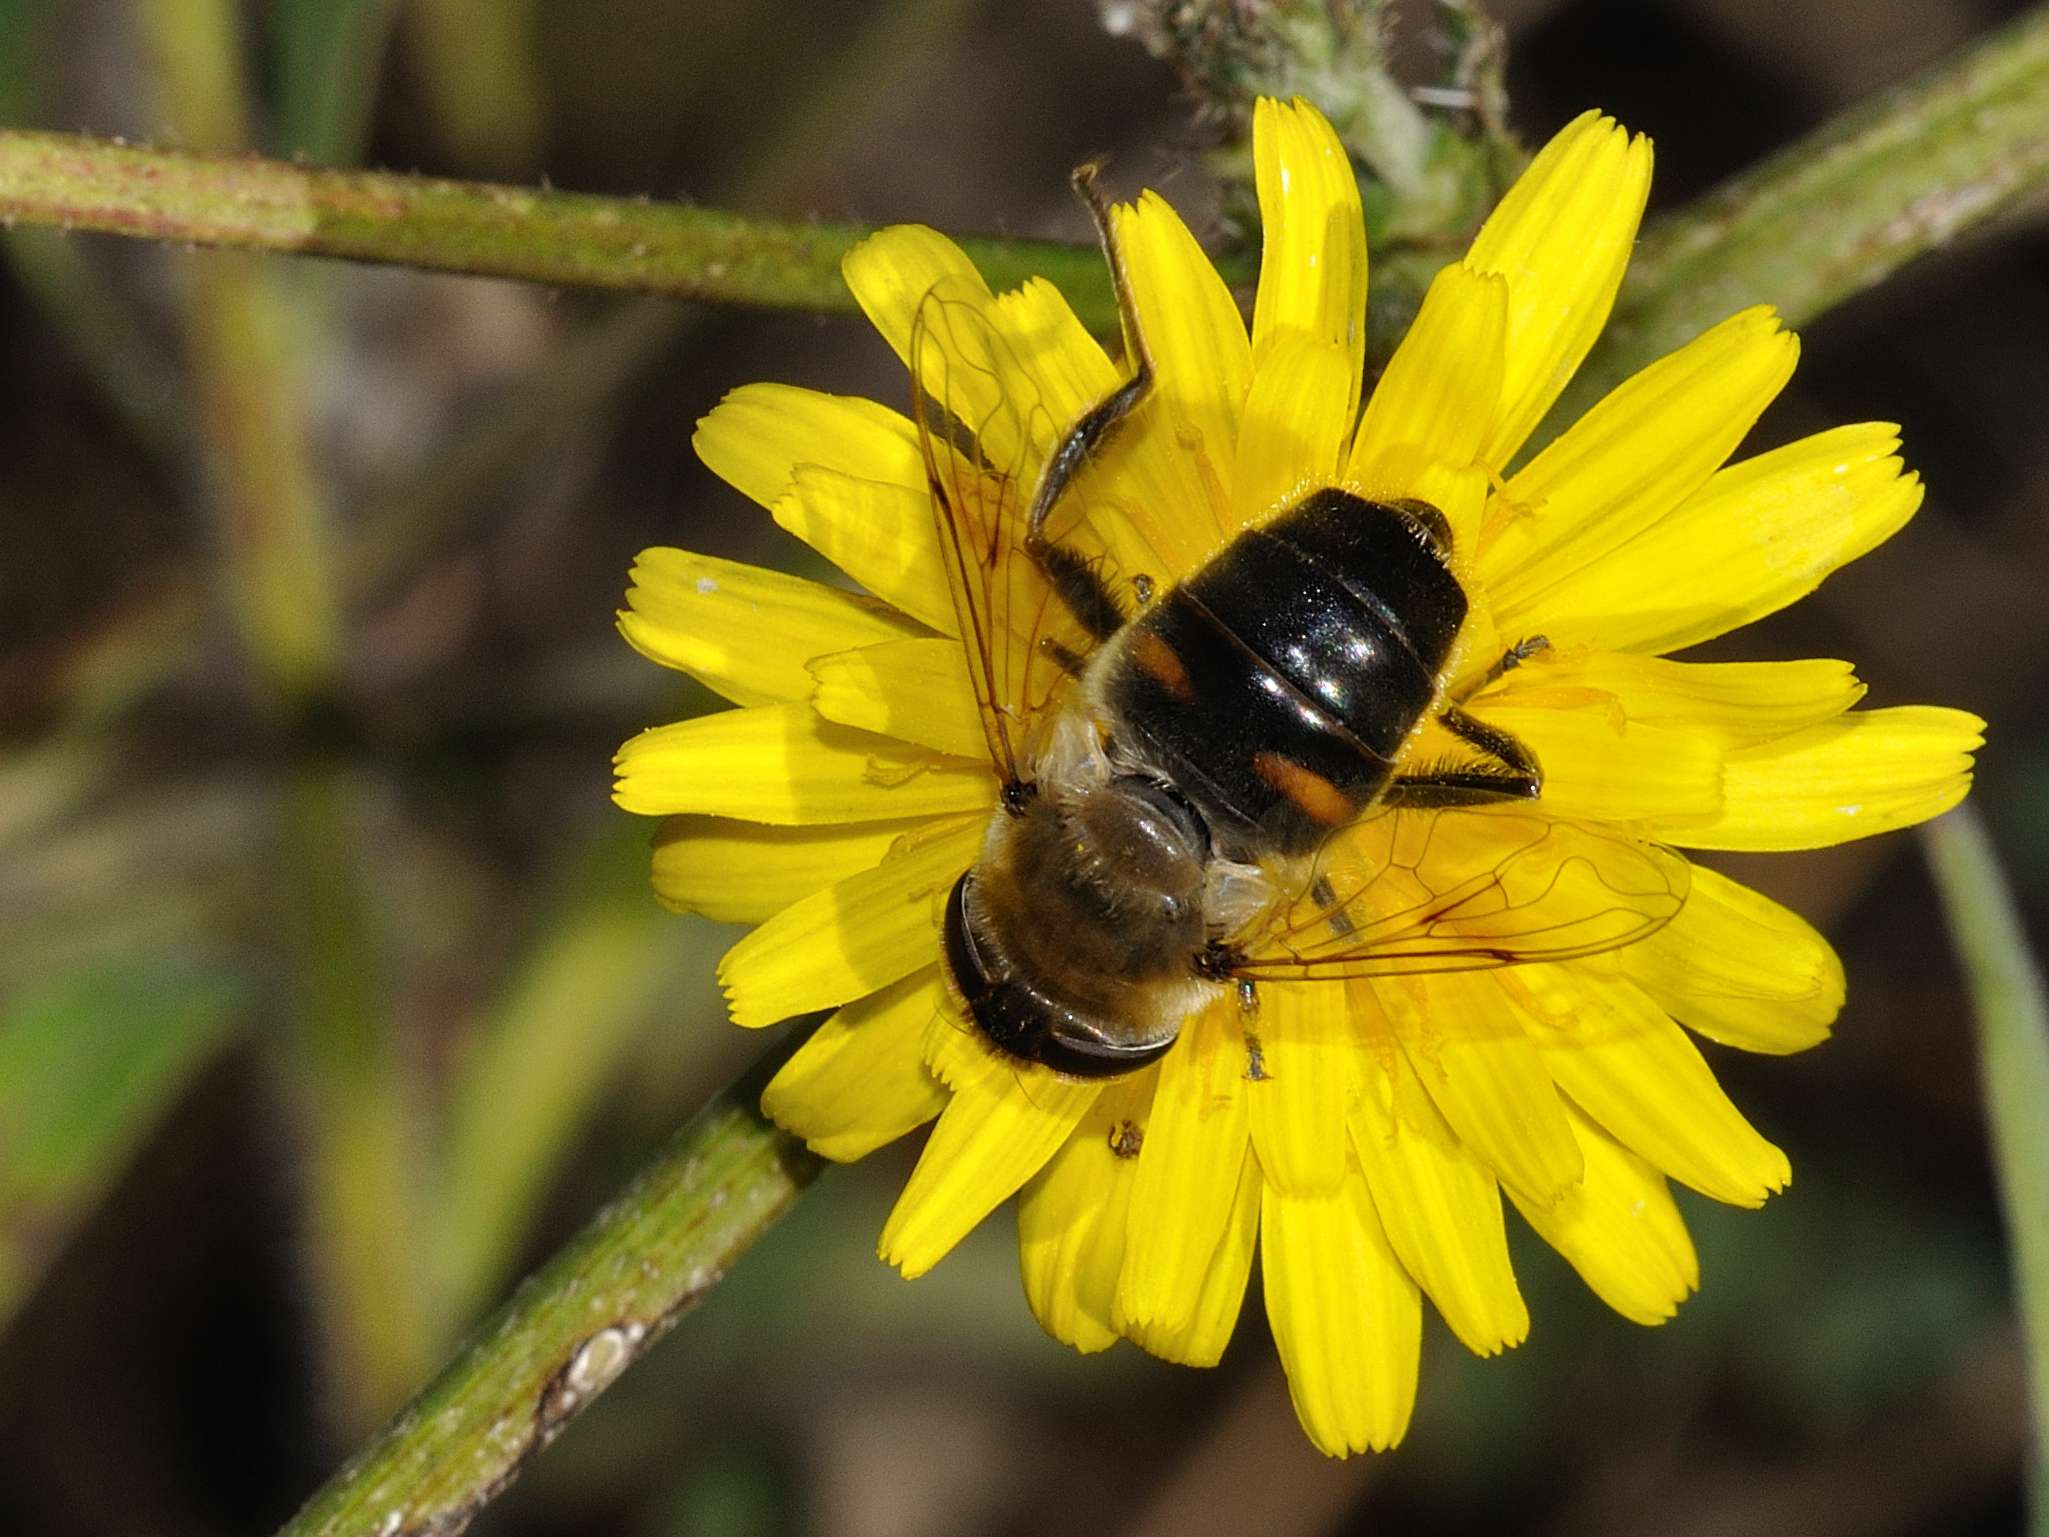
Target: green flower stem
{"type": "Point", "coordinates": [2012, 1008]}
{"type": "Point", "coordinates": [565, 1336]}
{"type": "Point", "coordinates": [1903, 173]}
{"type": "Point", "coordinates": [542, 236]}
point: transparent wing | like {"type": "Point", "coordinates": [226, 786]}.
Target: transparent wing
{"type": "Point", "coordinates": [987, 432]}
{"type": "Point", "coordinates": [1467, 890]}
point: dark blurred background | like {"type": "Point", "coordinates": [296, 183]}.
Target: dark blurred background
{"type": "Point", "coordinates": [321, 1026]}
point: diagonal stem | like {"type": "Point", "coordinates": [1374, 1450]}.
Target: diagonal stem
{"type": "Point", "coordinates": [1904, 173]}
{"type": "Point", "coordinates": [566, 1335]}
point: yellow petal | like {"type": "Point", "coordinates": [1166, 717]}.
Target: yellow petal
{"type": "Point", "coordinates": [858, 934]}
{"type": "Point", "coordinates": [858, 1082]}
{"type": "Point", "coordinates": [743, 872]}
{"type": "Point", "coordinates": [1735, 702]}
{"type": "Point", "coordinates": [756, 437]}
{"type": "Point", "coordinates": [890, 273]}
{"type": "Point", "coordinates": [785, 764]}
{"type": "Point", "coordinates": [1634, 1072]}
{"type": "Point", "coordinates": [1199, 1337]}
{"type": "Point", "coordinates": [996, 1134]}
{"type": "Point", "coordinates": [1295, 424]}
{"type": "Point", "coordinates": [957, 1053]}
{"type": "Point", "coordinates": [743, 630]}
{"type": "Point", "coordinates": [1620, 1230]}
{"type": "Point", "coordinates": [1195, 1148]}
{"type": "Point", "coordinates": [1068, 369]}
{"type": "Point", "coordinates": [881, 534]}
{"type": "Point", "coordinates": [1441, 392]}
{"type": "Point", "coordinates": [1759, 535]}
{"type": "Point", "coordinates": [916, 690]}
{"type": "Point", "coordinates": [1137, 497]}
{"type": "Point", "coordinates": [1629, 461]}
{"type": "Point", "coordinates": [1601, 763]}
{"type": "Point", "coordinates": [1202, 361]}
{"type": "Point", "coordinates": [1561, 237]}
{"type": "Point", "coordinates": [1312, 267]}
{"type": "Point", "coordinates": [1467, 1047]}
{"type": "Point", "coordinates": [1738, 968]}
{"type": "Point", "coordinates": [1346, 1316]}
{"type": "Point", "coordinates": [1866, 772]}
{"type": "Point", "coordinates": [1070, 1219]}
{"type": "Point", "coordinates": [1298, 1098]}
{"type": "Point", "coordinates": [1441, 1209]}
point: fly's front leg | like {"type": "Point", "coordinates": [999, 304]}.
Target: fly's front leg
{"type": "Point", "coordinates": [1074, 579]}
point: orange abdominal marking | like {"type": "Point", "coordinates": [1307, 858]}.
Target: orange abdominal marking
{"type": "Point", "coordinates": [1156, 659]}
{"type": "Point", "coordinates": [1319, 799]}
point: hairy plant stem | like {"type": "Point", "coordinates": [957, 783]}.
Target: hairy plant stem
{"type": "Point", "coordinates": [487, 230]}
{"type": "Point", "coordinates": [643, 1262]}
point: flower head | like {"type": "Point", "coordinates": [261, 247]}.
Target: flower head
{"type": "Point", "coordinates": [1455, 996]}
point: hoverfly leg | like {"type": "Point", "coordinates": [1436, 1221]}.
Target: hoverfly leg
{"type": "Point", "coordinates": [1325, 896]}
{"type": "Point", "coordinates": [1079, 585]}
{"type": "Point", "coordinates": [1519, 777]}
{"type": "Point", "coordinates": [1507, 663]}
{"type": "Point", "coordinates": [1248, 1020]}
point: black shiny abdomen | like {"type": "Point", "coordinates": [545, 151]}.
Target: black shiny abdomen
{"type": "Point", "coordinates": [1294, 666]}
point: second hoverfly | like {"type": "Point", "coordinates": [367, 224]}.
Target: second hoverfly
{"type": "Point", "coordinates": [1205, 784]}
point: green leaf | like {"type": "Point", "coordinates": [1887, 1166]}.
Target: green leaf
{"type": "Point", "coordinates": [329, 56]}
{"type": "Point", "coordinates": [89, 1063]}
{"type": "Point", "coordinates": [2012, 1009]}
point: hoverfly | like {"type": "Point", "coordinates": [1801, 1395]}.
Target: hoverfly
{"type": "Point", "coordinates": [1203, 786]}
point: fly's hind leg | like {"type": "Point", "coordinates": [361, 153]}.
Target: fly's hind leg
{"type": "Point", "coordinates": [1513, 774]}
{"type": "Point", "coordinates": [1074, 579]}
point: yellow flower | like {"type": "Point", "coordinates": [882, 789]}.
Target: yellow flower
{"type": "Point", "coordinates": [1356, 1134]}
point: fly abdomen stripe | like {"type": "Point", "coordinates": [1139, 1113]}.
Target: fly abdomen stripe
{"type": "Point", "coordinates": [1313, 795]}
{"type": "Point", "coordinates": [1279, 684]}
{"type": "Point", "coordinates": [1151, 655]}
